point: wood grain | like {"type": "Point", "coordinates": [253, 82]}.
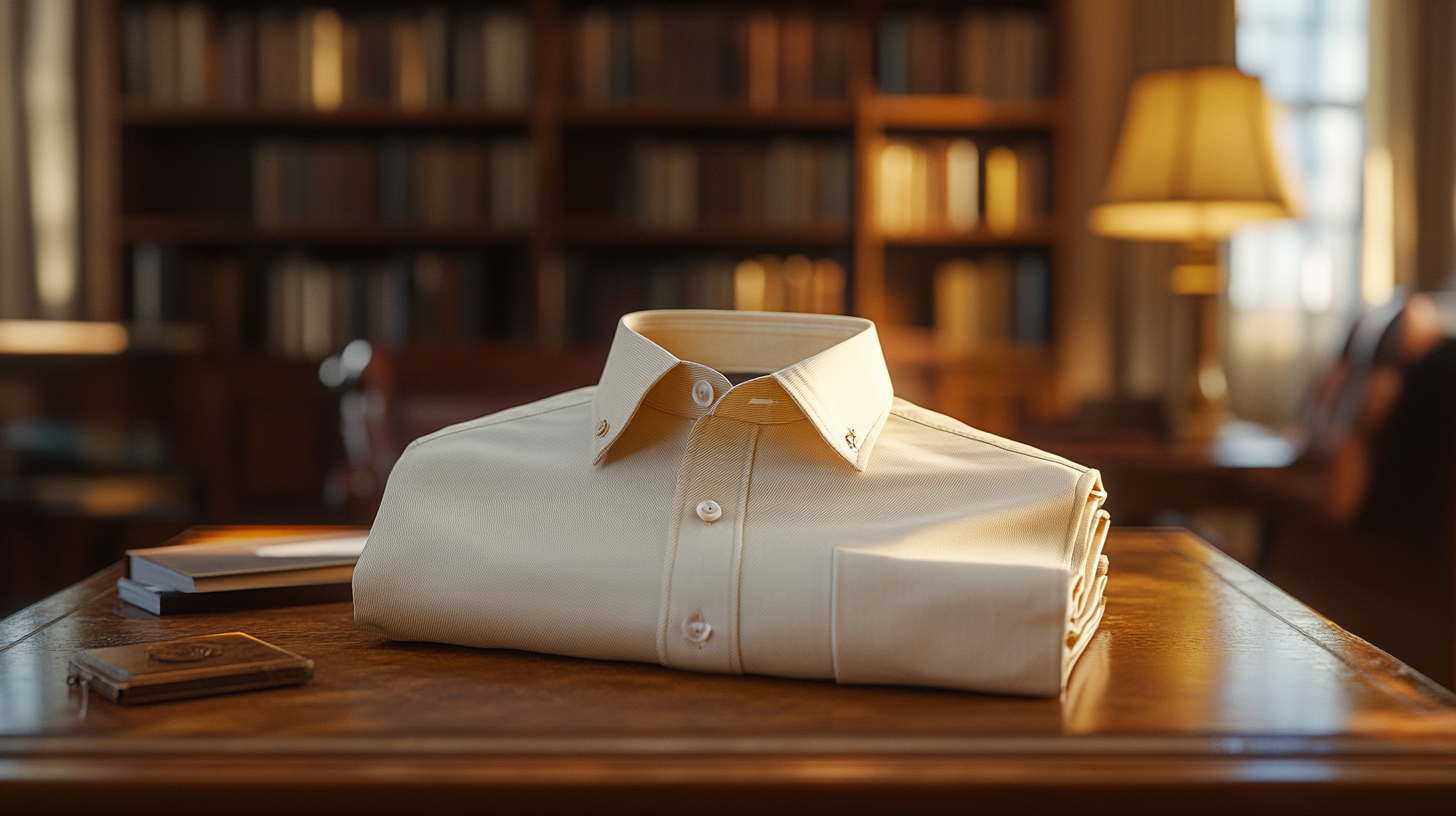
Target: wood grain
{"type": "Point", "coordinates": [1206, 690]}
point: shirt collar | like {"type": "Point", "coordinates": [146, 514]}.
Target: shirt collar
{"type": "Point", "coordinates": [831, 367]}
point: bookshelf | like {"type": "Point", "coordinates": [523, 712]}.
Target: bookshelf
{"type": "Point", "coordinates": [480, 174]}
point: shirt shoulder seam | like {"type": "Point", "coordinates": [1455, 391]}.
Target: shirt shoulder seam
{"type": "Point", "coordinates": [1050, 459]}
{"type": "Point", "coordinates": [490, 421]}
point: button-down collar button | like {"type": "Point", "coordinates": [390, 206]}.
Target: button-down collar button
{"type": "Point", "coordinates": [703, 393]}
{"type": "Point", "coordinates": [709, 511]}
{"type": "Point", "coordinates": [603, 427]}
{"type": "Point", "coordinates": [697, 630]}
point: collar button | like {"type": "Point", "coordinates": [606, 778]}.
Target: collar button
{"type": "Point", "coordinates": [603, 427]}
{"type": "Point", "coordinates": [709, 511]}
{"type": "Point", "coordinates": [703, 393]}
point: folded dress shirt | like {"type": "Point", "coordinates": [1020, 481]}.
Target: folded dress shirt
{"type": "Point", "coordinates": [803, 523]}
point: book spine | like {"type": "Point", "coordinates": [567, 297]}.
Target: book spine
{"type": "Point", "coordinates": [962, 174]}
{"type": "Point", "coordinates": [1031, 321]}
{"type": "Point", "coordinates": [1003, 190]}
{"type": "Point", "coordinates": [507, 58]}
{"type": "Point", "coordinates": [894, 56]}
{"type": "Point", "coordinates": [831, 45]}
{"type": "Point", "coordinates": [194, 26]}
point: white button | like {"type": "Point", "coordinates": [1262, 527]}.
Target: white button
{"type": "Point", "coordinates": [709, 511]}
{"type": "Point", "coordinates": [697, 629]}
{"type": "Point", "coordinates": [703, 393]}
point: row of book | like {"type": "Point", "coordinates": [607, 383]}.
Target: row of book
{"type": "Point", "coordinates": [192, 55]}
{"type": "Point", "coordinates": [315, 308]}
{"type": "Point", "coordinates": [796, 283]}
{"type": "Point", "coordinates": [987, 52]}
{"type": "Point", "coordinates": [434, 182]}
{"type": "Point", "coordinates": [932, 185]}
{"type": "Point", "coordinates": [787, 182]}
{"type": "Point", "coordinates": [763, 57]}
{"type": "Point", "coordinates": [992, 300]}
{"type": "Point", "coordinates": [299, 306]}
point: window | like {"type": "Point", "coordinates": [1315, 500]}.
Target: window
{"type": "Point", "coordinates": [1294, 285]}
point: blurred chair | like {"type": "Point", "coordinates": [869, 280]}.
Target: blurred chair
{"type": "Point", "coordinates": [1363, 523]}
{"type": "Point", "coordinates": [391, 398]}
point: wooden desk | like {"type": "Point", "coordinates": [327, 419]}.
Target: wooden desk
{"type": "Point", "coordinates": [1206, 690]}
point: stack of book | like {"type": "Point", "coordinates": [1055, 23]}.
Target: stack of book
{"type": "Point", "coordinates": [784, 182]}
{"type": "Point", "coordinates": [435, 182]}
{"type": "Point", "coordinates": [188, 55]}
{"type": "Point", "coordinates": [649, 52]}
{"type": "Point", "coordinates": [211, 569]}
{"type": "Point", "coordinates": [987, 52]}
{"type": "Point", "coordinates": [932, 185]}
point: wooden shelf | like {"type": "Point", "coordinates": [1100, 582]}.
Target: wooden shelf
{"type": "Point", "coordinates": [613, 232]}
{"type": "Point", "coordinates": [208, 230]}
{"type": "Point", "coordinates": [1038, 234]}
{"type": "Point", "coordinates": [137, 114]}
{"type": "Point", "coordinates": [951, 111]}
{"type": "Point", "coordinates": [708, 114]}
{"type": "Point", "coordinates": [163, 173]}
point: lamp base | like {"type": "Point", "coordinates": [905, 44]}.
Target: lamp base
{"type": "Point", "coordinates": [1205, 389]}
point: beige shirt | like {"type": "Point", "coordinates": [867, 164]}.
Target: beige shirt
{"type": "Point", "coordinates": [803, 524]}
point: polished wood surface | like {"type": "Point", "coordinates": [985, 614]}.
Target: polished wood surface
{"type": "Point", "coordinates": [1205, 690]}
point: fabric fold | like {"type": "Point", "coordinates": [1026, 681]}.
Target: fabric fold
{"type": "Point", "coordinates": [744, 528]}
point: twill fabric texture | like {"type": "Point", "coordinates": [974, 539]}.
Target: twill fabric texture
{"type": "Point", "coordinates": [803, 522]}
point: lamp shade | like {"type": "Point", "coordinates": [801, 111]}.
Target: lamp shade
{"type": "Point", "coordinates": [1195, 160]}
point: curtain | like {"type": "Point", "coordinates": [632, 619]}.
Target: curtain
{"type": "Point", "coordinates": [39, 160]}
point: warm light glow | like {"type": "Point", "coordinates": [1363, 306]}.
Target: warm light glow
{"type": "Point", "coordinates": [1196, 158]}
{"type": "Point", "coordinates": [51, 121]}
{"type": "Point", "coordinates": [61, 337]}
{"type": "Point", "coordinates": [328, 60]}
{"type": "Point", "coordinates": [1377, 264]}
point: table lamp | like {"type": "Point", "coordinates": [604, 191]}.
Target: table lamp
{"type": "Point", "coordinates": [1195, 160]}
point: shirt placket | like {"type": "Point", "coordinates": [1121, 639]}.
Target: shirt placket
{"type": "Point", "coordinates": [699, 625]}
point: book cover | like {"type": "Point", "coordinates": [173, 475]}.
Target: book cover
{"type": "Point", "coordinates": [228, 558]}
{"type": "Point", "coordinates": [159, 601]}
